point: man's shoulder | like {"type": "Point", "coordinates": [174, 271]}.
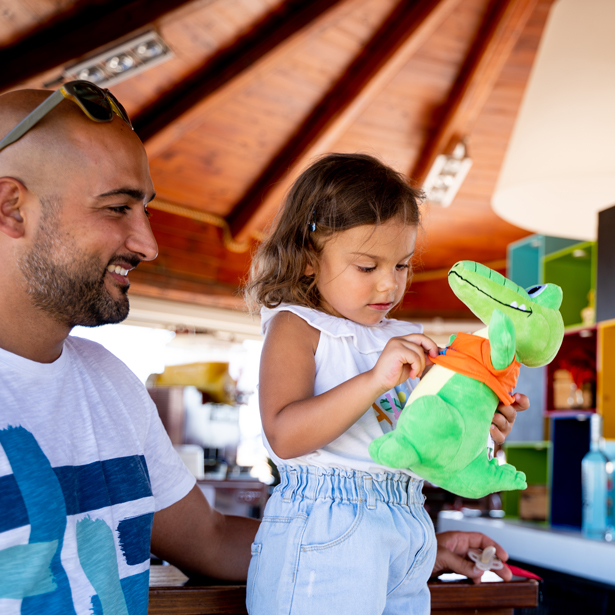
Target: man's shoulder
{"type": "Point", "coordinates": [96, 358]}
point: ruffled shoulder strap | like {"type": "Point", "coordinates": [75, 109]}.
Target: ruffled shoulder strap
{"type": "Point", "coordinates": [365, 339]}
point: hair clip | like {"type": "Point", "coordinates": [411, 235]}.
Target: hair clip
{"type": "Point", "coordinates": [312, 224]}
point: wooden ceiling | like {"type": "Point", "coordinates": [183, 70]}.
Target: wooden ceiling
{"type": "Point", "coordinates": [258, 88]}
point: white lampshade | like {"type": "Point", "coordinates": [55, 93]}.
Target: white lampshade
{"type": "Point", "coordinates": [559, 169]}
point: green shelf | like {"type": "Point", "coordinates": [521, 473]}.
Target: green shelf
{"type": "Point", "coordinates": [574, 269]}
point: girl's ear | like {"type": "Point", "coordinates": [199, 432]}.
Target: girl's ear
{"type": "Point", "coordinates": [310, 269]}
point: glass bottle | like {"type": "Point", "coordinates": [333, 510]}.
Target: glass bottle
{"type": "Point", "coordinates": [598, 490]}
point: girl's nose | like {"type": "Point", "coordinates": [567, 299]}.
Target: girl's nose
{"type": "Point", "coordinates": [388, 282]}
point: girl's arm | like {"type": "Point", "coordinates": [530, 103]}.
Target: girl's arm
{"type": "Point", "coordinates": [296, 422]}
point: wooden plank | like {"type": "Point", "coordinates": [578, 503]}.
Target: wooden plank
{"type": "Point", "coordinates": [497, 37]}
{"type": "Point", "coordinates": [169, 595]}
{"type": "Point", "coordinates": [158, 126]}
{"type": "Point", "coordinates": [465, 595]}
{"type": "Point", "coordinates": [407, 27]}
{"type": "Point", "coordinates": [75, 33]}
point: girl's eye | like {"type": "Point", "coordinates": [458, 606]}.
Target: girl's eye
{"type": "Point", "coordinates": [402, 266]}
{"type": "Point", "coordinates": [366, 269]}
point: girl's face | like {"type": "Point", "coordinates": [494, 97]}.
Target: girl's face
{"type": "Point", "coordinates": [364, 271]}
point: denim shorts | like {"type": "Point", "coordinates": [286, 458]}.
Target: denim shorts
{"type": "Point", "coordinates": [342, 543]}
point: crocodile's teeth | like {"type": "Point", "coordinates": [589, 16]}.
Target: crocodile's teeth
{"type": "Point", "coordinates": [522, 307]}
{"type": "Point", "coordinates": [513, 304]}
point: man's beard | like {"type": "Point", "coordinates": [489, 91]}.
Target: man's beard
{"type": "Point", "coordinates": [67, 283]}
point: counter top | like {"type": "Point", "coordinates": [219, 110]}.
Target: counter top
{"type": "Point", "coordinates": [539, 544]}
{"type": "Point", "coordinates": [172, 593]}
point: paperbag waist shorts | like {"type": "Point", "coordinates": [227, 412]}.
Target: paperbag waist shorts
{"type": "Point", "coordinates": [338, 542]}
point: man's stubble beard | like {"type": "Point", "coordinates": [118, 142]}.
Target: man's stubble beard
{"type": "Point", "coordinates": [65, 282]}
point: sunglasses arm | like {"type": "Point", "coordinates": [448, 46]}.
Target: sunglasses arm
{"type": "Point", "coordinates": [33, 118]}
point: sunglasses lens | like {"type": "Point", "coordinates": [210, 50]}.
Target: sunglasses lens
{"type": "Point", "coordinates": [93, 99]}
{"type": "Point", "coordinates": [119, 109]}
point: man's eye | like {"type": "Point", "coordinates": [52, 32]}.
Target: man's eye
{"type": "Point", "coordinates": [120, 209]}
{"type": "Point", "coordinates": [148, 212]}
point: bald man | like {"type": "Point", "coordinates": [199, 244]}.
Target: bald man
{"type": "Point", "coordinates": [87, 471]}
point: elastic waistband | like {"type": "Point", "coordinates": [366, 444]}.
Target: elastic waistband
{"type": "Point", "coordinates": [314, 483]}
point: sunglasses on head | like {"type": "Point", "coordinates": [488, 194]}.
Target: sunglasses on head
{"type": "Point", "coordinates": [98, 104]}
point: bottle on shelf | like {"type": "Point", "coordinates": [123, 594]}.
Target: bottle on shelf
{"type": "Point", "coordinates": [598, 489]}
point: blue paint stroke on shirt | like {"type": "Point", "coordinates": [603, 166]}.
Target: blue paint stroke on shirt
{"type": "Point", "coordinates": [98, 559]}
{"type": "Point", "coordinates": [13, 511]}
{"type": "Point", "coordinates": [136, 593]}
{"type": "Point", "coordinates": [135, 536]}
{"type": "Point", "coordinates": [85, 488]}
{"type": "Point", "coordinates": [44, 502]}
{"type": "Point", "coordinates": [104, 483]}
{"type": "Point", "coordinates": [25, 570]}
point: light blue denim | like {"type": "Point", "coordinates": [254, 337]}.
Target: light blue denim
{"type": "Point", "coordinates": [336, 542]}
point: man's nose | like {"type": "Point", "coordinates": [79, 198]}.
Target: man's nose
{"type": "Point", "coordinates": [141, 239]}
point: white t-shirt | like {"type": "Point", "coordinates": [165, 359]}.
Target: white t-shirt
{"type": "Point", "coordinates": [345, 350]}
{"type": "Point", "coordinates": [84, 464]}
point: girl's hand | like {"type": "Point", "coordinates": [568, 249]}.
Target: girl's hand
{"type": "Point", "coordinates": [402, 358]}
{"type": "Point", "coordinates": [505, 416]}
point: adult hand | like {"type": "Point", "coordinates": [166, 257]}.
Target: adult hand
{"type": "Point", "coordinates": [505, 416]}
{"type": "Point", "coordinates": [452, 555]}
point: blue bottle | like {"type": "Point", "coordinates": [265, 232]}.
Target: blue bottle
{"type": "Point", "coordinates": [598, 490]}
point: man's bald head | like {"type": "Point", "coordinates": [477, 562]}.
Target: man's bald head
{"type": "Point", "coordinates": [65, 141]}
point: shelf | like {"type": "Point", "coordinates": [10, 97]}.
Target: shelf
{"type": "Point", "coordinates": [606, 383]}
{"type": "Point", "coordinates": [568, 413]}
{"type": "Point", "coordinates": [574, 270]}
{"type": "Point", "coordinates": [578, 355]}
{"type": "Point", "coordinates": [525, 257]}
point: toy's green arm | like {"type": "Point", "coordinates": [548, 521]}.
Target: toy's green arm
{"type": "Point", "coordinates": [503, 340]}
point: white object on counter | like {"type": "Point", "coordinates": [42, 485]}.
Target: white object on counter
{"type": "Point", "coordinates": [193, 457]}
{"type": "Point", "coordinates": [552, 548]}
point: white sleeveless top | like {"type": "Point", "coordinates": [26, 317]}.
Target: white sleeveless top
{"type": "Point", "coordinates": [347, 349]}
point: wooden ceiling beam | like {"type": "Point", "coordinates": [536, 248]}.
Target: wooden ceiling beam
{"type": "Point", "coordinates": [406, 28]}
{"type": "Point", "coordinates": [75, 33]}
{"type": "Point", "coordinates": [176, 111]}
{"type": "Point", "coordinates": [497, 37]}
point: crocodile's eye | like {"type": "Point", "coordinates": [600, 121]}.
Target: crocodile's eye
{"type": "Point", "coordinates": [534, 291]}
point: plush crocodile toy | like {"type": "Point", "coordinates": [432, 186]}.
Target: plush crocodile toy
{"type": "Point", "coordinates": [443, 430]}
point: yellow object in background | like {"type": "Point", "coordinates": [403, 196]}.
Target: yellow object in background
{"type": "Point", "coordinates": [210, 378]}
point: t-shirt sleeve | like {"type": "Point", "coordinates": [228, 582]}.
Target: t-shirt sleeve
{"type": "Point", "coordinates": [170, 478]}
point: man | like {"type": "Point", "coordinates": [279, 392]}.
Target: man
{"type": "Point", "coordinates": [87, 472]}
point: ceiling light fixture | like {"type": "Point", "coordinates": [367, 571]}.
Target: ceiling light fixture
{"type": "Point", "coordinates": [446, 175]}
{"type": "Point", "coordinates": [120, 62]}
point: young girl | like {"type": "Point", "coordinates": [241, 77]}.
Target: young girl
{"type": "Point", "coordinates": [340, 534]}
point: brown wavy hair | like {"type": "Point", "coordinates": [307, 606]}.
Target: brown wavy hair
{"type": "Point", "coordinates": [336, 193]}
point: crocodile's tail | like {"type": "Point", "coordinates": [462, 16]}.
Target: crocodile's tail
{"type": "Point", "coordinates": [394, 450]}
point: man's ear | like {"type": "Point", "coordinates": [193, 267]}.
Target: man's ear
{"type": "Point", "coordinates": [12, 197]}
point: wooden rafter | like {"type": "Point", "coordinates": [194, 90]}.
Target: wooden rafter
{"type": "Point", "coordinates": [406, 28]}
{"type": "Point", "coordinates": [172, 114]}
{"type": "Point", "coordinates": [75, 33]}
{"type": "Point", "coordinates": [498, 35]}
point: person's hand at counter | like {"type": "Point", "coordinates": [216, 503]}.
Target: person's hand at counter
{"type": "Point", "coordinates": [505, 416]}
{"type": "Point", "coordinates": [452, 555]}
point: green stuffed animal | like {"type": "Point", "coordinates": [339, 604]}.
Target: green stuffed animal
{"type": "Point", "coordinates": [442, 432]}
